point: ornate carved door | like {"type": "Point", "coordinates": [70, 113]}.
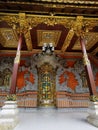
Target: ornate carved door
{"type": "Point", "coordinates": [46, 88]}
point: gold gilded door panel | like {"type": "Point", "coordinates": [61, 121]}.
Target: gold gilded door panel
{"type": "Point", "coordinates": [46, 87]}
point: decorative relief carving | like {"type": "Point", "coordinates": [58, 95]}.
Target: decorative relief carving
{"type": "Point", "coordinates": [83, 79]}
{"type": "Point", "coordinates": [48, 36]}
{"type": "Point", "coordinates": [93, 98]}
{"type": "Point", "coordinates": [91, 39]}
{"type": "Point", "coordinates": [24, 28]}
{"type": "Point", "coordinates": [12, 20]}
{"type": "Point", "coordinates": [68, 5]}
{"type": "Point", "coordinates": [67, 40]}
{"type": "Point", "coordinates": [30, 21]}
{"type": "Point", "coordinates": [64, 1]}
{"type": "Point", "coordinates": [8, 38]}
{"type": "Point", "coordinates": [28, 40]}
{"type": "Point", "coordinates": [86, 60]}
{"type": "Point", "coordinates": [23, 23]}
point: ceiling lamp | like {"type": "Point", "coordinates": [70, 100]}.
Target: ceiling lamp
{"type": "Point", "coordinates": [48, 48]}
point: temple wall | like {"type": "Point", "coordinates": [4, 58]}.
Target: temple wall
{"type": "Point", "coordinates": [71, 84]}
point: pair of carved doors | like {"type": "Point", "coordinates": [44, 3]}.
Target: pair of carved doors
{"type": "Point", "coordinates": [46, 85]}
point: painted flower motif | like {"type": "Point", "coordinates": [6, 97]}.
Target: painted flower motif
{"type": "Point", "coordinates": [11, 97]}
{"type": "Point", "coordinates": [93, 98]}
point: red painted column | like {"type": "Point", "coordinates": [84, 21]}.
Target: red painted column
{"type": "Point", "coordinates": [90, 77]}
{"type": "Point", "coordinates": [15, 67]}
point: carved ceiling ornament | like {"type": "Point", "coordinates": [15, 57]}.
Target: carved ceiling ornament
{"type": "Point", "coordinates": [25, 29]}
{"type": "Point", "coordinates": [91, 40]}
{"type": "Point", "coordinates": [67, 40]}
{"type": "Point", "coordinates": [8, 37]}
{"type": "Point", "coordinates": [63, 1]}
{"type": "Point", "coordinates": [48, 36]}
{"type": "Point", "coordinates": [26, 22]}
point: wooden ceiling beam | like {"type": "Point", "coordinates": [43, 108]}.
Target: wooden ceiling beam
{"type": "Point", "coordinates": [95, 51]}
{"type": "Point", "coordinates": [28, 40]}
{"type": "Point", "coordinates": [75, 28]}
{"type": "Point", "coordinates": [23, 25]}
{"type": "Point", "coordinates": [67, 40]}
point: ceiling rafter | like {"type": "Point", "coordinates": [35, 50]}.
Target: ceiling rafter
{"type": "Point", "coordinates": [75, 28]}
{"type": "Point", "coordinates": [22, 22]}
{"type": "Point", "coordinates": [71, 25]}
{"type": "Point", "coordinates": [94, 51]}
{"type": "Point", "coordinates": [67, 40]}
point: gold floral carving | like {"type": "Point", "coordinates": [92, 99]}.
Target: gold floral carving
{"type": "Point", "coordinates": [47, 36]}
{"type": "Point", "coordinates": [59, 1]}
{"type": "Point", "coordinates": [29, 21]}
{"type": "Point", "coordinates": [67, 40]}
{"type": "Point", "coordinates": [23, 23]}
{"type": "Point", "coordinates": [11, 97]}
{"type": "Point", "coordinates": [91, 39]}
{"type": "Point", "coordinates": [77, 25]}
{"type": "Point", "coordinates": [11, 19]}
{"type": "Point", "coordinates": [65, 1]}
{"type": "Point", "coordinates": [28, 40]}
{"type": "Point", "coordinates": [93, 98]}
{"type": "Point", "coordinates": [86, 60]}
{"type": "Point", "coordinates": [8, 37]}
{"type": "Point", "coordinates": [49, 20]}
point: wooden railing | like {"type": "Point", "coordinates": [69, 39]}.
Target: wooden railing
{"type": "Point", "coordinates": [25, 100]}
{"type": "Point", "coordinates": [63, 99]}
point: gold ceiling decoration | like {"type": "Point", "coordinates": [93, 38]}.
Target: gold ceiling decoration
{"type": "Point", "coordinates": [72, 6]}
{"type": "Point", "coordinates": [76, 27]}
{"type": "Point", "coordinates": [24, 28]}
{"type": "Point", "coordinates": [8, 37]}
{"type": "Point", "coordinates": [26, 22]}
{"type": "Point", "coordinates": [67, 40]}
{"type": "Point", "coordinates": [48, 36]}
{"type": "Point", "coordinates": [28, 40]}
{"type": "Point", "coordinates": [72, 1]}
{"type": "Point", "coordinates": [91, 39]}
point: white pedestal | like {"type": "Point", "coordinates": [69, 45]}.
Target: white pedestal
{"type": "Point", "coordinates": [93, 114]}
{"type": "Point", "coordinates": [9, 116]}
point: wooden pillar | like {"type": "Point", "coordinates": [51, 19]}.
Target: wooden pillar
{"type": "Point", "coordinates": [89, 73]}
{"type": "Point", "coordinates": [15, 67]}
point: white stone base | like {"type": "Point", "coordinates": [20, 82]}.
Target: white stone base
{"type": "Point", "coordinates": [9, 116]}
{"type": "Point", "coordinates": [93, 114]}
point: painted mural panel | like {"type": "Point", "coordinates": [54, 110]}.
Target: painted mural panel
{"type": "Point", "coordinates": [70, 74]}
{"type": "Point", "coordinates": [6, 64]}
{"type": "Point", "coordinates": [26, 78]}
{"type": "Point", "coordinates": [72, 78]}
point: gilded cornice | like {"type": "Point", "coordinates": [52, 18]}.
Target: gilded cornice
{"type": "Point", "coordinates": [57, 2]}
{"type": "Point", "coordinates": [75, 5]}
{"type": "Point", "coordinates": [26, 21]}
{"type": "Point", "coordinates": [47, 6]}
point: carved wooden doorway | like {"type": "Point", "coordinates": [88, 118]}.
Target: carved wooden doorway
{"type": "Point", "coordinates": [46, 85]}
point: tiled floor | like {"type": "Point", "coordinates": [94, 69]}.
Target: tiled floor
{"type": "Point", "coordinates": [52, 119]}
